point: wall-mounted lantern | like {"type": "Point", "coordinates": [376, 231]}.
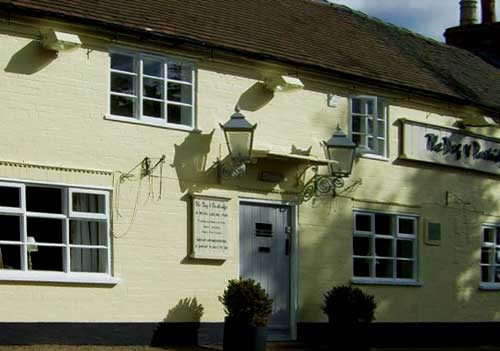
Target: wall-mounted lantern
{"type": "Point", "coordinates": [239, 134]}
{"type": "Point", "coordinates": [341, 151]}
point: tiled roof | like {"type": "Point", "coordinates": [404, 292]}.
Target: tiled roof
{"type": "Point", "coordinates": [302, 32]}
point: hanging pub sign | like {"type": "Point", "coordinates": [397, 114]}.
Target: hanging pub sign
{"type": "Point", "coordinates": [210, 227]}
{"type": "Point", "coordinates": [450, 147]}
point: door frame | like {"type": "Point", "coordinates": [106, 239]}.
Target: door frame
{"type": "Point", "coordinates": [294, 259]}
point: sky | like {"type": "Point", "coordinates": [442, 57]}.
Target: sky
{"type": "Point", "coordinates": [427, 17]}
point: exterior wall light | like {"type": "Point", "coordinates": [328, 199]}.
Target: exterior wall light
{"type": "Point", "coordinates": [283, 84]}
{"type": "Point", "coordinates": [60, 41]}
{"type": "Point", "coordinates": [341, 150]}
{"type": "Point", "coordinates": [239, 134]}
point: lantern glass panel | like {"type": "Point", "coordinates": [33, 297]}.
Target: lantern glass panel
{"type": "Point", "coordinates": [343, 157]}
{"type": "Point", "coordinates": [240, 143]}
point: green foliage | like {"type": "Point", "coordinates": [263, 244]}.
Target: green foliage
{"type": "Point", "coordinates": [345, 305]}
{"type": "Point", "coordinates": [246, 302]}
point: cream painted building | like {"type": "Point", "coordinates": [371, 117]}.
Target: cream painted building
{"type": "Point", "coordinates": [112, 170]}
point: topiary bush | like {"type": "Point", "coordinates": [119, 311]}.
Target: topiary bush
{"type": "Point", "coordinates": [246, 302]}
{"type": "Point", "coordinates": [345, 305]}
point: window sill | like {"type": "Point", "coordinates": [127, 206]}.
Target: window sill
{"type": "Point", "coordinates": [56, 277]}
{"type": "Point", "coordinates": [368, 281]}
{"type": "Point", "coordinates": [375, 157]}
{"type": "Point", "coordinates": [149, 124]}
{"type": "Point", "coordinates": [489, 286]}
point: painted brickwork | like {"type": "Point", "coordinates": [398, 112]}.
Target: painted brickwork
{"type": "Point", "coordinates": [53, 113]}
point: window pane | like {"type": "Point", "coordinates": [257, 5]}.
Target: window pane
{"type": "Point", "coordinates": [45, 258]}
{"type": "Point", "coordinates": [370, 107]}
{"type": "Point", "coordinates": [404, 269]}
{"type": "Point", "coordinates": [122, 62]}
{"type": "Point", "coordinates": [88, 260]}
{"type": "Point", "coordinates": [357, 124]}
{"type": "Point", "coordinates": [363, 223]}
{"type": "Point", "coordinates": [381, 129]}
{"type": "Point", "coordinates": [122, 106]}
{"type": "Point", "coordinates": [89, 203]}
{"type": "Point", "coordinates": [152, 108]}
{"type": "Point", "coordinates": [487, 256]}
{"type": "Point", "coordinates": [489, 235]}
{"type": "Point", "coordinates": [383, 224]}
{"type": "Point", "coordinates": [179, 115]}
{"type": "Point", "coordinates": [180, 71]}
{"type": "Point", "coordinates": [153, 88]}
{"type": "Point", "coordinates": [41, 199]}
{"type": "Point", "coordinates": [381, 147]}
{"type": "Point", "coordinates": [45, 230]}
{"type": "Point", "coordinates": [10, 228]}
{"type": "Point", "coordinates": [371, 143]}
{"type": "Point", "coordinates": [383, 247]}
{"type": "Point", "coordinates": [179, 93]}
{"type": "Point", "coordinates": [362, 246]}
{"type": "Point", "coordinates": [357, 139]}
{"type": "Point", "coordinates": [405, 249]}
{"type": "Point", "coordinates": [152, 67]}
{"type": "Point", "coordinates": [10, 197]}
{"type": "Point", "coordinates": [496, 276]}
{"type": "Point", "coordinates": [362, 267]}
{"type": "Point", "coordinates": [486, 273]}
{"type": "Point", "coordinates": [370, 125]}
{"type": "Point", "coordinates": [356, 105]}
{"type": "Point", "coordinates": [122, 83]}
{"type": "Point", "coordinates": [92, 233]}
{"type": "Point", "coordinates": [406, 226]}
{"type": "Point", "coordinates": [384, 268]}
{"type": "Point", "coordinates": [10, 257]}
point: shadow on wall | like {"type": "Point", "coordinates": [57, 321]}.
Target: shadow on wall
{"type": "Point", "coordinates": [181, 325]}
{"type": "Point", "coordinates": [30, 59]}
{"type": "Point", "coordinates": [190, 161]}
{"type": "Point", "coordinates": [457, 199]}
{"type": "Point", "coordinates": [255, 97]}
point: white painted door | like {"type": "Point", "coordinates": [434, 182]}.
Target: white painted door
{"type": "Point", "coordinates": [265, 250]}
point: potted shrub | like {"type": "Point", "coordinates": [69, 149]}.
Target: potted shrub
{"type": "Point", "coordinates": [349, 312]}
{"type": "Point", "coordinates": [248, 308]}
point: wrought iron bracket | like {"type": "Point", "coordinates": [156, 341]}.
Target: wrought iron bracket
{"type": "Point", "coordinates": [320, 184]}
{"type": "Point", "coordinates": [231, 169]}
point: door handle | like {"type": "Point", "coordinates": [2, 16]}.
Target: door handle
{"type": "Point", "coordinates": [287, 247]}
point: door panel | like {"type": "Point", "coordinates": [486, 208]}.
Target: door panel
{"type": "Point", "coordinates": [265, 257]}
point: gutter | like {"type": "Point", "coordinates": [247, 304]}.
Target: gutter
{"type": "Point", "coordinates": [38, 13]}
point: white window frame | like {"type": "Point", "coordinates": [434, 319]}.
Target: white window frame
{"type": "Point", "coordinates": [394, 237]}
{"type": "Point", "coordinates": [66, 276]}
{"type": "Point", "coordinates": [139, 117]}
{"type": "Point", "coordinates": [377, 117]}
{"type": "Point", "coordinates": [490, 284]}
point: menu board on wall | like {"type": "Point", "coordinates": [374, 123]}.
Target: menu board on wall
{"type": "Point", "coordinates": [210, 227]}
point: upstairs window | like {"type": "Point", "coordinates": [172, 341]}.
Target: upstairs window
{"type": "Point", "coordinates": [152, 89]}
{"type": "Point", "coordinates": [368, 121]}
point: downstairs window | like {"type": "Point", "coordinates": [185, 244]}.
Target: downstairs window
{"type": "Point", "coordinates": [53, 229]}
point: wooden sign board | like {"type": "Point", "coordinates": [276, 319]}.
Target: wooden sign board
{"type": "Point", "coordinates": [210, 228]}
{"type": "Point", "coordinates": [450, 147]}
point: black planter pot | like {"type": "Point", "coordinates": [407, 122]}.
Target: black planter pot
{"type": "Point", "coordinates": [243, 337]}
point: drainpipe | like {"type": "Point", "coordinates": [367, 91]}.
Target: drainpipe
{"type": "Point", "coordinates": [488, 12]}
{"type": "Point", "coordinates": [468, 12]}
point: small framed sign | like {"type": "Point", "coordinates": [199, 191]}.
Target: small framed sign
{"type": "Point", "coordinates": [210, 227]}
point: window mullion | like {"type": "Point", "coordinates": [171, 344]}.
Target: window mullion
{"type": "Point", "coordinates": [140, 83]}
{"type": "Point", "coordinates": [165, 91]}
{"type": "Point", "coordinates": [24, 231]}
{"type": "Point", "coordinates": [67, 254]}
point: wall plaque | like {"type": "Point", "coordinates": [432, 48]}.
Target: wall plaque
{"type": "Point", "coordinates": [210, 227]}
{"type": "Point", "coordinates": [451, 147]}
